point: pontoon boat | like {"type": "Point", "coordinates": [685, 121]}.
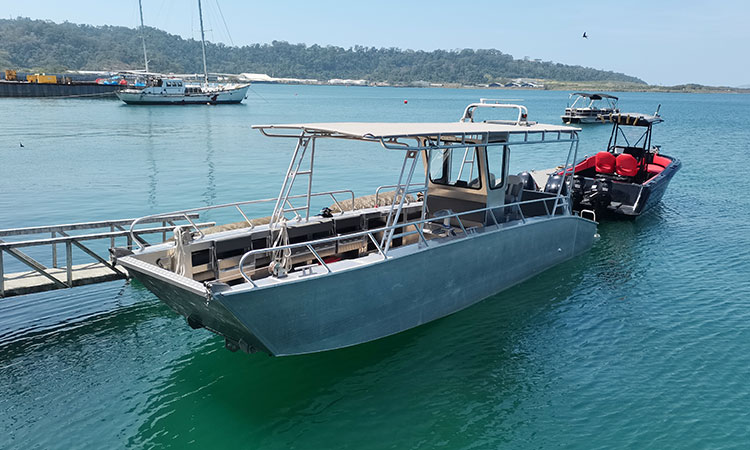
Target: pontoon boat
{"type": "Point", "coordinates": [585, 110]}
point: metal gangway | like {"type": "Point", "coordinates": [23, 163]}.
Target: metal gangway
{"type": "Point", "coordinates": [88, 239]}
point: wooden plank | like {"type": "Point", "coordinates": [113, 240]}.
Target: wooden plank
{"type": "Point", "coordinates": [83, 274]}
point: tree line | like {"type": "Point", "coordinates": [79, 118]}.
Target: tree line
{"type": "Point", "coordinates": [41, 45]}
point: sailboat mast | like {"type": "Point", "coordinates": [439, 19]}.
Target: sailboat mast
{"type": "Point", "coordinates": [143, 35]}
{"type": "Point", "coordinates": [203, 43]}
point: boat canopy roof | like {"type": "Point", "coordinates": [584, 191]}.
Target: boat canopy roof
{"type": "Point", "coordinates": [632, 119]}
{"type": "Point", "coordinates": [376, 131]}
{"type": "Point", "coordinates": [595, 96]}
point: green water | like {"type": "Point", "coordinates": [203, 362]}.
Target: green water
{"type": "Point", "coordinates": [641, 343]}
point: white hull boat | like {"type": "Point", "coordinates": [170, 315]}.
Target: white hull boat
{"type": "Point", "coordinates": [174, 91]}
{"type": "Point", "coordinates": [169, 91]}
{"type": "Point", "coordinates": [582, 112]}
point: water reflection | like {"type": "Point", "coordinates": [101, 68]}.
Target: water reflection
{"type": "Point", "coordinates": [209, 195]}
{"type": "Point", "coordinates": [467, 366]}
{"type": "Point", "coordinates": [153, 170]}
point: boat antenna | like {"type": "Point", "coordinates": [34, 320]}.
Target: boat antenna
{"type": "Point", "coordinates": [143, 35]}
{"type": "Point", "coordinates": [657, 110]}
{"type": "Point", "coordinates": [203, 43]}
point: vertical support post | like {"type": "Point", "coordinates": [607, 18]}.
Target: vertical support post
{"type": "Point", "coordinates": [54, 251]}
{"type": "Point", "coordinates": [309, 180]}
{"type": "Point", "coordinates": [69, 262]}
{"type": "Point", "coordinates": [163, 233]}
{"type": "Point", "coordinates": [112, 239]}
{"type": "Point", "coordinates": [2, 276]}
{"type": "Point", "coordinates": [130, 241]}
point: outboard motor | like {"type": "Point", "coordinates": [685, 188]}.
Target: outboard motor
{"type": "Point", "coordinates": [577, 192]}
{"type": "Point", "coordinates": [600, 194]}
{"type": "Point", "coordinates": [527, 181]}
{"type": "Point", "coordinates": [553, 185]}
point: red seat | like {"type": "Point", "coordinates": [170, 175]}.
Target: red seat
{"type": "Point", "coordinates": [605, 162]}
{"type": "Point", "coordinates": [654, 168]}
{"type": "Point", "coordinates": [662, 161]}
{"type": "Point", "coordinates": [627, 165]}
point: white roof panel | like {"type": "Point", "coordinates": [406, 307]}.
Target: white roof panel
{"type": "Point", "coordinates": [385, 130]}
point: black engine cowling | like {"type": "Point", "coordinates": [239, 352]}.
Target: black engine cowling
{"type": "Point", "coordinates": [553, 185]}
{"type": "Point", "coordinates": [599, 195]}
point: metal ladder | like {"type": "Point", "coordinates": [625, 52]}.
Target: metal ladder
{"type": "Point", "coordinates": [466, 161]}
{"type": "Point", "coordinates": [283, 205]}
{"type": "Point", "coordinates": [403, 189]}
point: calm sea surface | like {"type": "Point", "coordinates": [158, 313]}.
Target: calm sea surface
{"type": "Point", "coordinates": [643, 342]}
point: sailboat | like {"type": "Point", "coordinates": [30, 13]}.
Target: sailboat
{"type": "Point", "coordinates": [168, 90]}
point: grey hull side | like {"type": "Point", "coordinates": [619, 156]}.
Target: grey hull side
{"type": "Point", "coordinates": [337, 310]}
{"type": "Point", "coordinates": [194, 307]}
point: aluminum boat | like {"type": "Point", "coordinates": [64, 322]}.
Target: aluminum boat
{"type": "Point", "coordinates": [443, 238]}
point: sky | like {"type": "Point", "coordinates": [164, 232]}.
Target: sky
{"type": "Point", "coordinates": [662, 42]}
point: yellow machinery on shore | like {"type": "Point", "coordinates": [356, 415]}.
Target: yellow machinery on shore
{"type": "Point", "coordinates": [10, 75]}
{"type": "Point", "coordinates": [41, 79]}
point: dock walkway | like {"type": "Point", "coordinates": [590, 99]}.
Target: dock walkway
{"type": "Point", "coordinates": [97, 270]}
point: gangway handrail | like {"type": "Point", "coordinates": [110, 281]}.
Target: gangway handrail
{"type": "Point", "coordinates": [4, 245]}
{"type": "Point", "coordinates": [80, 226]}
{"type": "Point", "coordinates": [561, 202]}
{"type": "Point", "coordinates": [12, 248]}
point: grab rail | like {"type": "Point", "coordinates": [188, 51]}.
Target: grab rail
{"type": "Point", "coordinates": [391, 186]}
{"type": "Point", "coordinates": [186, 214]}
{"type": "Point", "coordinates": [382, 252]}
{"type": "Point", "coordinates": [523, 113]}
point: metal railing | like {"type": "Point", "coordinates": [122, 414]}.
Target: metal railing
{"type": "Point", "coordinates": [523, 113]}
{"type": "Point", "coordinates": [560, 203]}
{"type": "Point", "coordinates": [62, 235]}
{"type": "Point", "coordinates": [186, 213]}
{"type": "Point", "coordinates": [393, 186]}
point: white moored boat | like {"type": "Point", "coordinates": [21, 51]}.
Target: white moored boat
{"type": "Point", "coordinates": [175, 91]}
{"type": "Point", "coordinates": [586, 109]}
{"type": "Point", "coordinates": [445, 238]}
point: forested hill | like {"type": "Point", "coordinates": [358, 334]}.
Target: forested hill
{"type": "Point", "coordinates": [39, 45]}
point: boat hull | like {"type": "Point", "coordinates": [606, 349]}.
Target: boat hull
{"type": "Point", "coordinates": [640, 198]}
{"type": "Point", "coordinates": [341, 309]}
{"type": "Point", "coordinates": [230, 96]}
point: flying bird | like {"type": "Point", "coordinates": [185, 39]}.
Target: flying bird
{"type": "Point", "coordinates": [584, 35]}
